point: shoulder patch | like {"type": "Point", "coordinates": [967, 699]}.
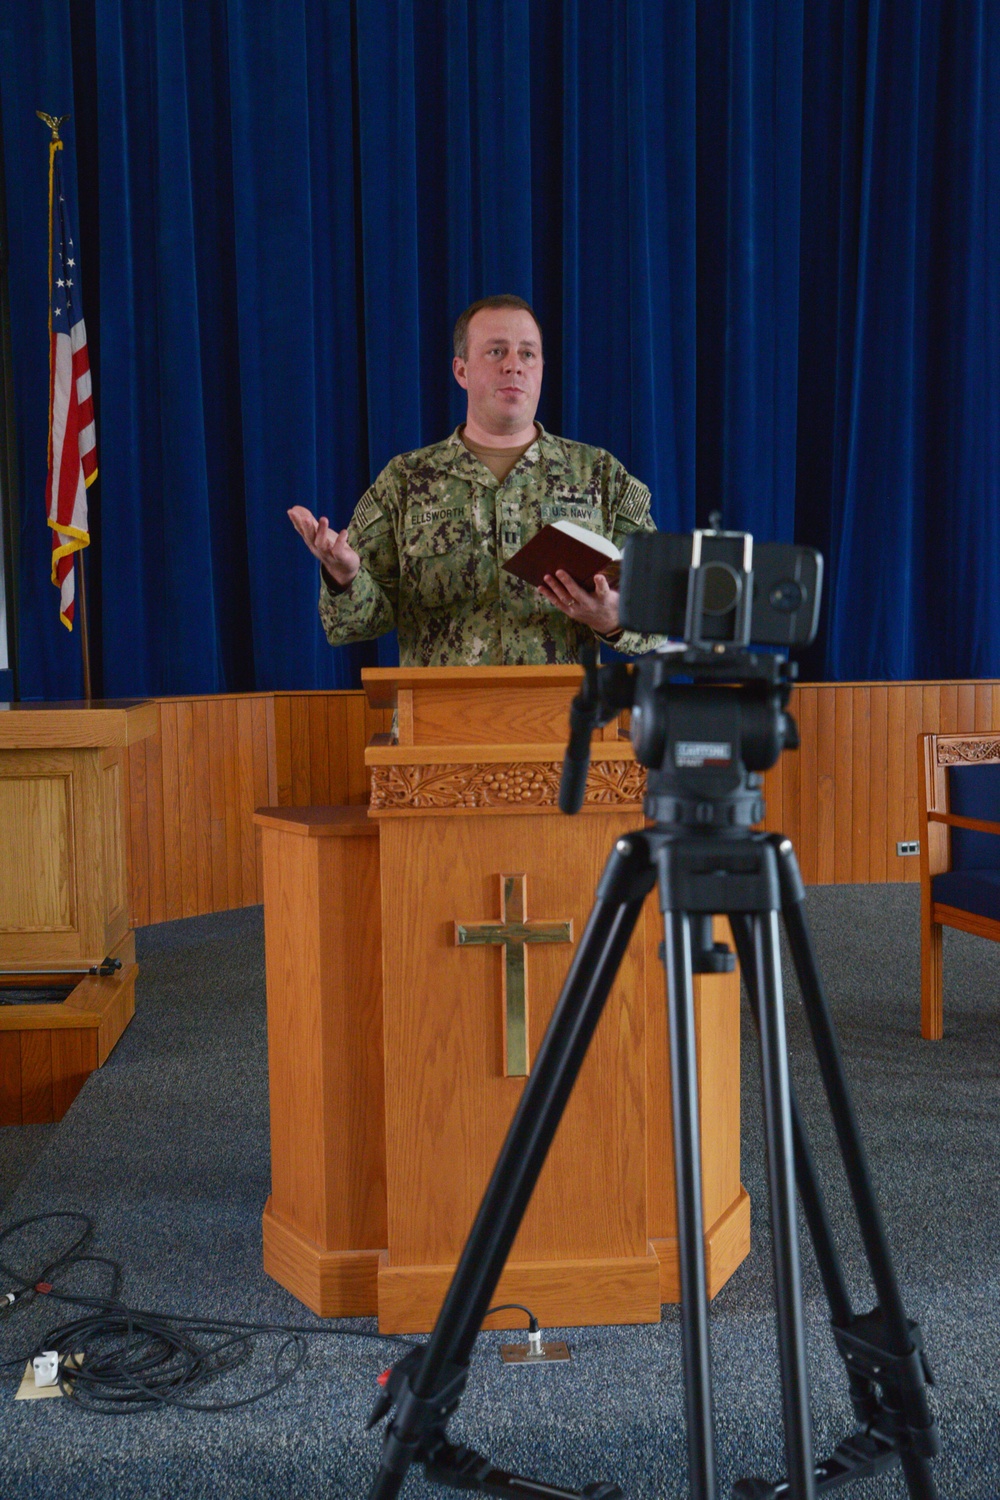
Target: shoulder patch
{"type": "Point", "coordinates": [634, 502]}
{"type": "Point", "coordinates": [367, 510]}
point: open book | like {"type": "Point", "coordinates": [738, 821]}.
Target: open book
{"type": "Point", "coordinates": [562, 544]}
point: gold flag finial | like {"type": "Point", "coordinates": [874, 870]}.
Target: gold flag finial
{"type": "Point", "coordinates": [54, 122]}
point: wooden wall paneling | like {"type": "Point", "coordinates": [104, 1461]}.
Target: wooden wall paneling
{"type": "Point", "coordinates": [269, 754]}
{"type": "Point", "coordinates": [297, 750]}
{"type": "Point", "coordinates": [948, 708]}
{"type": "Point", "coordinates": [930, 717]}
{"type": "Point", "coordinates": [806, 707]}
{"type": "Point", "coordinates": [966, 718]}
{"type": "Point", "coordinates": [321, 748]}
{"type": "Point", "coordinates": [173, 905]}
{"type": "Point", "coordinates": [201, 808]}
{"type": "Point", "coordinates": [185, 809]}
{"type": "Point", "coordinates": [301, 766]}
{"type": "Point", "coordinates": [351, 726]}
{"type": "Point", "coordinates": [843, 783]}
{"type": "Point", "coordinates": [923, 711]}
{"type": "Point", "coordinates": [826, 784]}
{"type": "Point", "coordinates": [218, 867]}
{"type": "Point", "coordinates": [138, 799]}
{"type": "Point", "coordinates": [36, 1077]}
{"type": "Point", "coordinates": [861, 831]}
{"type": "Point", "coordinates": [155, 831]}
{"type": "Point", "coordinates": [338, 729]}
{"type": "Point", "coordinates": [878, 771]}
{"type": "Point", "coordinates": [357, 739]}
{"type": "Point", "coordinates": [265, 774]}
{"type": "Point", "coordinates": [249, 837]}
{"type": "Point", "coordinates": [10, 1078]}
{"type": "Point", "coordinates": [231, 778]}
{"type": "Point", "coordinates": [895, 801]}
{"type": "Point", "coordinates": [282, 712]}
{"type": "Point", "coordinates": [984, 707]}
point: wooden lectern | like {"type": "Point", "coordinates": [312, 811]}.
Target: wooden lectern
{"type": "Point", "coordinates": [485, 887]}
{"type": "Point", "coordinates": [63, 895]}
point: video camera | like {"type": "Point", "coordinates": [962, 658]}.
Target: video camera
{"type": "Point", "coordinates": [704, 744]}
{"type": "Point", "coordinates": [714, 587]}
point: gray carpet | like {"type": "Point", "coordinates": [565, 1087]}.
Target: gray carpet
{"type": "Point", "coordinates": [167, 1149]}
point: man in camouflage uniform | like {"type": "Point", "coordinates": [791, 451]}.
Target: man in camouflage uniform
{"type": "Point", "coordinates": [425, 547]}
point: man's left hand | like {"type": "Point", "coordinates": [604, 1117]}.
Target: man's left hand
{"type": "Point", "coordinates": [599, 610]}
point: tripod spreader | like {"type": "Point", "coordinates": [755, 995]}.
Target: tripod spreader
{"type": "Point", "coordinates": [416, 1434]}
{"type": "Point", "coordinates": [415, 1418]}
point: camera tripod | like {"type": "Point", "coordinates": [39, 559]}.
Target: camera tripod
{"type": "Point", "coordinates": [706, 742]}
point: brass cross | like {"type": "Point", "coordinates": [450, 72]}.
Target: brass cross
{"type": "Point", "coordinates": [514, 930]}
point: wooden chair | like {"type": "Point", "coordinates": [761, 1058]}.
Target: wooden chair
{"type": "Point", "coordinates": [959, 853]}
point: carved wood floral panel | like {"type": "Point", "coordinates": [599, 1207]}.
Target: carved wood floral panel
{"type": "Point", "coordinates": [613, 783]}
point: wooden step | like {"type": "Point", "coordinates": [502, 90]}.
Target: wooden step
{"type": "Point", "coordinates": [47, 1051]}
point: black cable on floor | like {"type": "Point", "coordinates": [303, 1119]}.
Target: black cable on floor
{"type": "Point", "coordinates": [132, 1360]}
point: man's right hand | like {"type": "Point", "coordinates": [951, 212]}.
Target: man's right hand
{"type": "Point", "coordinates": [331, 547]}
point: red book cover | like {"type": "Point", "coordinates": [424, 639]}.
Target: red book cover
{"type": "Point", "coordinates": [574, 549]}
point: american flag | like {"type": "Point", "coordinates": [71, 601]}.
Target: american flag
{"type": "Point", "coordinates": [72, 434]}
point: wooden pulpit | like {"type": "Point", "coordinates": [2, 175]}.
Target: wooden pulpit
{"type": "Point", "coordinates": [485, 890]}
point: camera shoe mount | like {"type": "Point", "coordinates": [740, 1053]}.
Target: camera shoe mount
{"type": "Point", "coordinates": [706, 739]}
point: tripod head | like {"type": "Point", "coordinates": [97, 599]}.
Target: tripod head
{"type": "Point", "coordinates": [706, 722]}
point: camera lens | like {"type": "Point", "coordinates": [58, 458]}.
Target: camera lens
{"type": "Point", "coordinates": [786, 596]}
{"type": "Point", "coordinates": [722, 588]}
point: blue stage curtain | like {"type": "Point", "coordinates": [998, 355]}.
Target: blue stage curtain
{"type": "Point", "coordinates": [903, 177]}
{"type": "Point", "coordinates": [761, 239]}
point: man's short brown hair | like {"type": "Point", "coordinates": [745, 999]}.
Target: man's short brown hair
{"type": "Point", "coordinates": [504, 299]}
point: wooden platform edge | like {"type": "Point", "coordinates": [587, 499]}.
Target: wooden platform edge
{"type": "Point", "coordinates": [727, 1245]}
{"type": "Point", "coordinates": [331, 1283]}
{"type": "Point", "coordinates": [561, 1294]}
{"type": "Point", "coordinates": [47, 1052]}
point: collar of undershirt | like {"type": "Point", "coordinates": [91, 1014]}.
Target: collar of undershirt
{"type": "Point", "coordinates": [499, 461]}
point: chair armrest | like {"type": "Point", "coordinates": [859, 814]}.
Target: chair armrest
{"type": "Point", "coordinates": [978, 825]}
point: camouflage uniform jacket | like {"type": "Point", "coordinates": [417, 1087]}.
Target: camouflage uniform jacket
{"type": "Point", "coordinates": [433, 531]}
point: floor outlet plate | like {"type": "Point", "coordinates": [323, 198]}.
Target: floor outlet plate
{"type": "Point", "coordinates": [520, 1354]}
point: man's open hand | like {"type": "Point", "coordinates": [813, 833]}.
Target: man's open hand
{"type": "Point", "coordinates": [599, 610]}
{"type": "Point", "coordinates": [331, 547]}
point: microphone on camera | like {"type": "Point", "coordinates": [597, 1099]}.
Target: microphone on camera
{"type": "Point", "coordinates": [576, 761]}
{"type": "Point", "coordinates": [584, 717]}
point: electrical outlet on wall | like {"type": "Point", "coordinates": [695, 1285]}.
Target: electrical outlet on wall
{"type": "Point", "coordinates": [907, 847]}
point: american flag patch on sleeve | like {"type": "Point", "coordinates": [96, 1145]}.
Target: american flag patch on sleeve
{"type": "Point", "coordinates": [634, 503]}
{"type": "Point", "coordinates": [367, 510]}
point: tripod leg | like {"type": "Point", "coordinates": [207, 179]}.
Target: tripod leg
{"type": "Point", "coordinates": [690, 1232]}
{"type": "Point", "coordinates": [807, 1181]}
{"type": "Point", "coordinates": [901, 1337]}
{"type": "Point", "coordinates": [425, 1398]}
{"type": "Point", "coordinates": [781, 1175]}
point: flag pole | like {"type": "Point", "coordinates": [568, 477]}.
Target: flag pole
{"type": "Point", "coordinates": [75, 456]}
{"type": "Point", "coordinates": [81, 599]}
